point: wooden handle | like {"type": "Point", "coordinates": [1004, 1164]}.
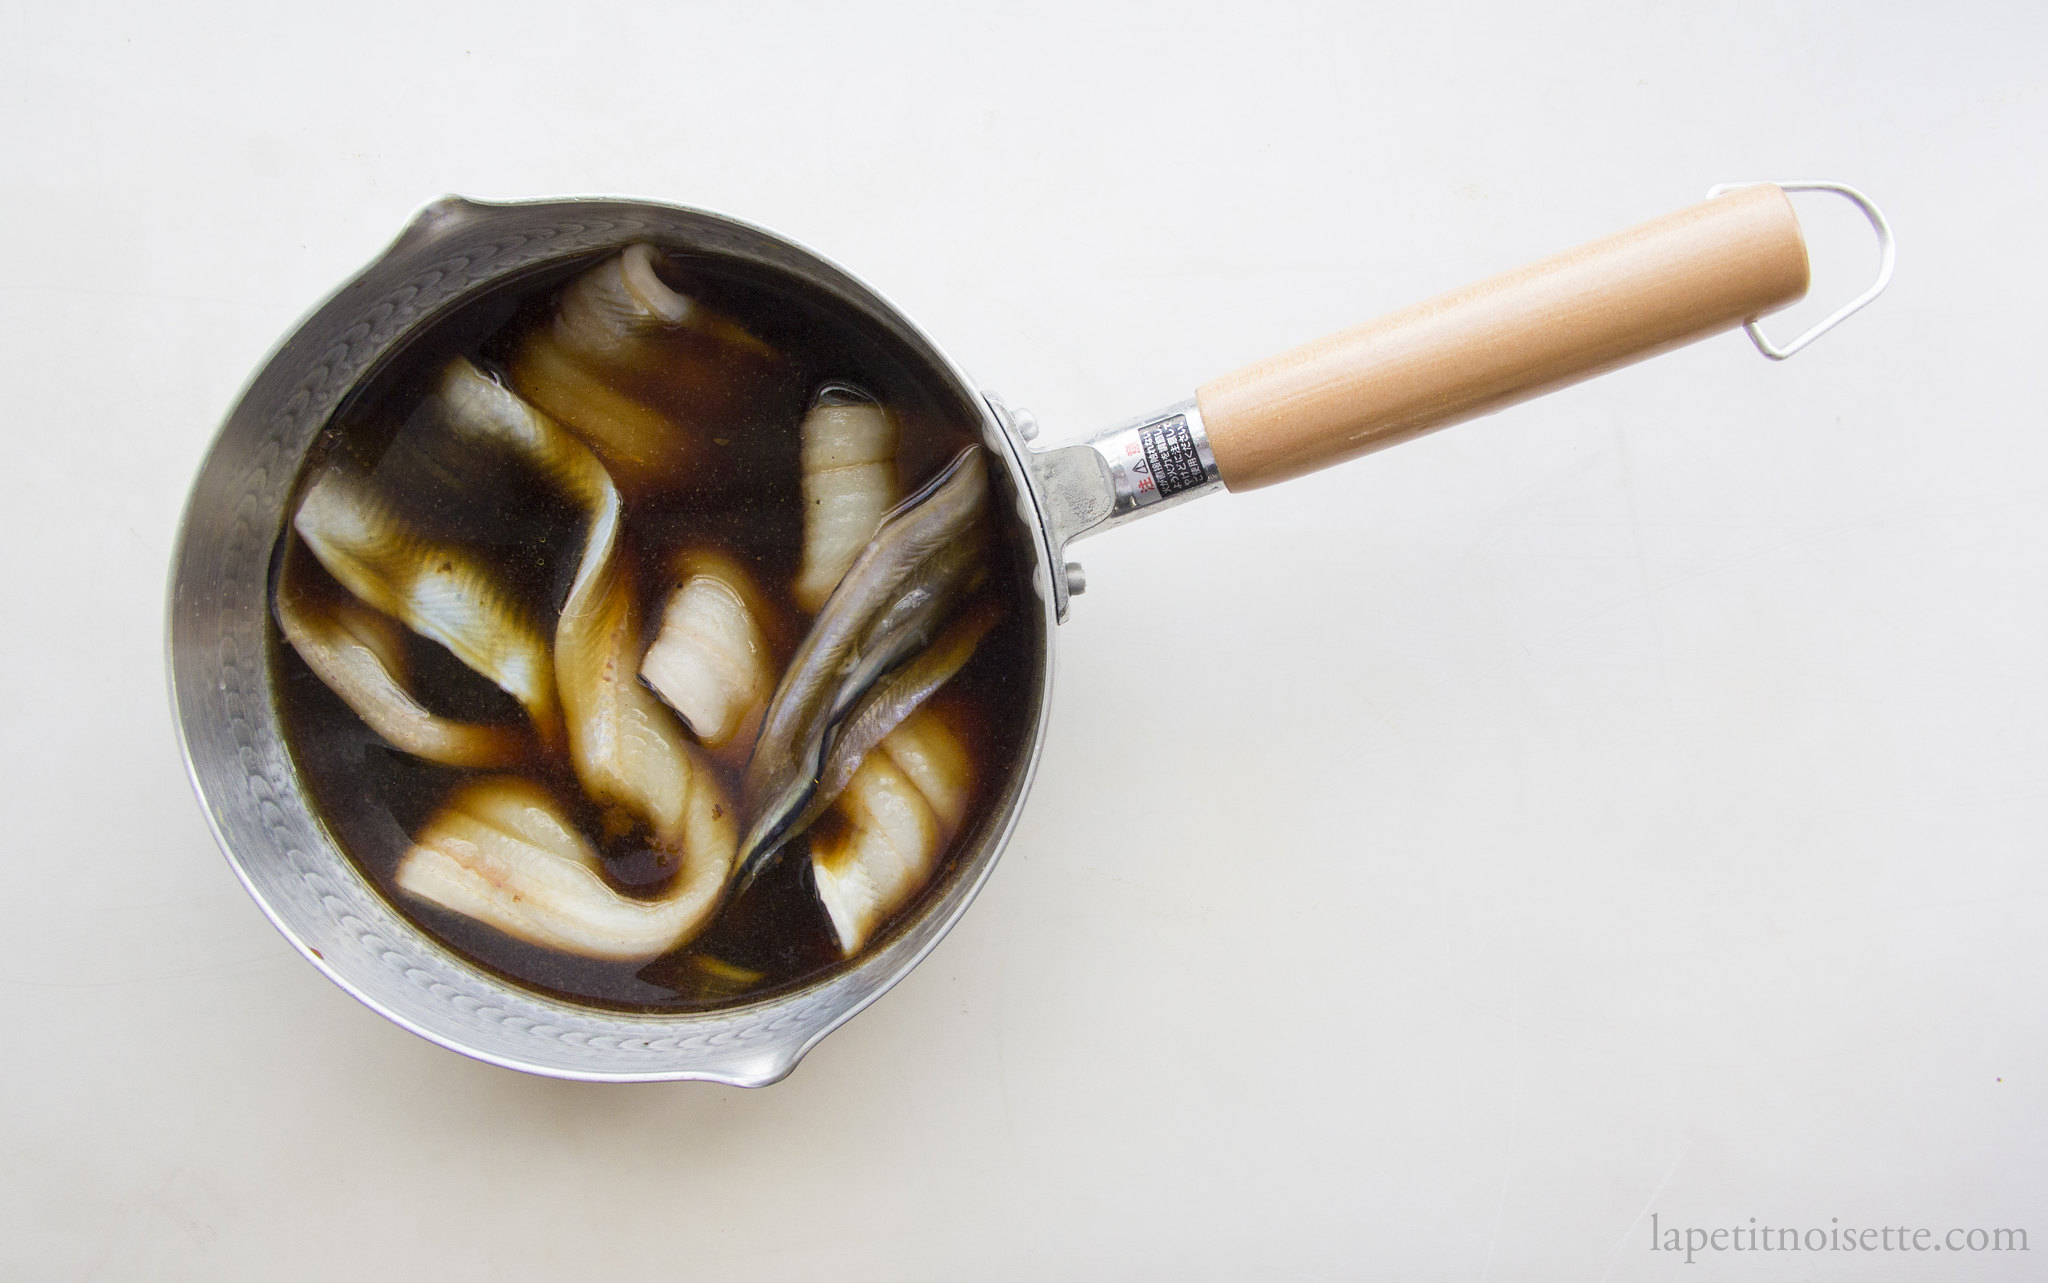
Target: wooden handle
{"type": "Point", "coordinates": [1588, 310]}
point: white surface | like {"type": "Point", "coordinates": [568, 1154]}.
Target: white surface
{"type": "Point", "coordinates": [1629, 804]}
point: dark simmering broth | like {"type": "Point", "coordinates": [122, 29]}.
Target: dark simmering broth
{"type": "Point", "coordinates": [737, 493]}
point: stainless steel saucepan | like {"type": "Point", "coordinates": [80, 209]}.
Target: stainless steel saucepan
{"type": "Point", "coordinates": [1719, 264]}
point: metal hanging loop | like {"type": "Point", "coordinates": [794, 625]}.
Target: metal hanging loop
{"type": "Point", "coordinates": [1887, 257]}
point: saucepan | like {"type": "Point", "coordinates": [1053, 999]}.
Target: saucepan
{"type": "Point", "coordinates": [1725, 262]}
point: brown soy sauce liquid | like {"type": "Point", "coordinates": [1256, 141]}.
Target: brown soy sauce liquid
{"type": "Point", "coordinates": [739, 495]}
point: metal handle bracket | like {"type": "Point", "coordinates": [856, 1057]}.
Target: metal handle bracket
{"type": "Point", "coordinates": [1887, 257]}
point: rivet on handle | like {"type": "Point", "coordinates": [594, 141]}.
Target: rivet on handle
{"type": "Point", "coordinates": [1887, 257]}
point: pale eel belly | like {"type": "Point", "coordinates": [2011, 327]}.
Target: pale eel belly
{"type": "Point", "coordinates": [501, 852]}
{"type": "Point", "coordinates": [712, 661]}
{"type": "Point", "coordinates": [359, 653]}
{"type": "Point", "coordinates": [618, 325]}
{"type": "Point", "coordinates": [439, 591]}
{"type": "Point", "coordinates": [849, 485]}
{"type": "Point", "coordinates": [901, 808]}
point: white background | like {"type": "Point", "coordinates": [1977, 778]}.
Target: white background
{"type": "Point", "coordinates": [1630, 804]}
